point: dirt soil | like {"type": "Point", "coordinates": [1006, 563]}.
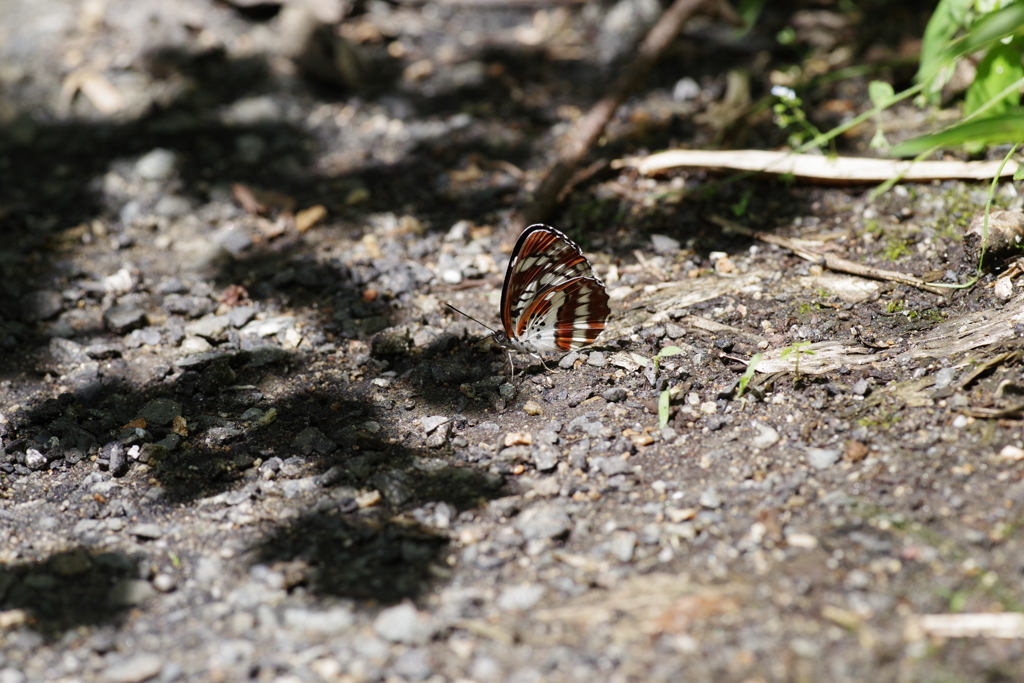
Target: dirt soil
{"type": "Point", "coordinates": [241, 438]}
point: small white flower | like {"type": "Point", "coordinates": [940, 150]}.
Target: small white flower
{"type": "Point", "coordinates": [783, 92]}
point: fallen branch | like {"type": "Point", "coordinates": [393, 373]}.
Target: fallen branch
{"type": "Point", "coordinates": [588, 129]}
{"type": "Point", "coordinates": [839, 169]}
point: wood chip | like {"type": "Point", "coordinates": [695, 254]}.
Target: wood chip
{"type": "Point", "coordinates": [518, 439]}
{"type": "Point", "coordinates": [307, 218]}
{"type": "Point", "coordinates": [368, 499]}
{"type": "Point", "coordinates": [179, 426]}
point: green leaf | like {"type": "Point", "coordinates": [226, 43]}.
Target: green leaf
{"type": "Point", "coordinates": [999, 69]}
{"type": "Point", "coordinates": [663, 408]}
{"type": "Point", "coordinates": [991, 27]}
{"type": "Point", "coordinates": [1019, 173]}
{"type": "Point", "coordinates": [669, 351]}
{"type": "Point", "coordinates": [748, 374]}
{"type": "Point", "coordinates": [881, 93]}
{"type": "Point", "coordinates": [990, 131]}
{"type": "Point", "coordinates": [749, 11]}
{"type": "Point", "coordinates": [878, 141]}
{"type": "Point", "coordinates": [947, 19]}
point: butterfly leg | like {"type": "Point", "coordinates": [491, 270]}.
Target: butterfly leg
{"type": "Point", "coordinates": [543, 364]}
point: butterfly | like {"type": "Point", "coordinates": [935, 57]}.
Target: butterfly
{"type": "Point", "coordinates": [551, 299]}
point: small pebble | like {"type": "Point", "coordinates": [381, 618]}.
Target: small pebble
{"type": "Point", "coordinates": [709, 498]}
{"type": "Point", "coordinates": [433, 422]}
{"type": "Point", "coordinates": [766, 437]}
{"type": "Point", "coordinates": [1003, 289]}
{"type": "Point", "coordinates": [164, 583]}
{"type": "Point", "coordinates": [405, 624]}
{"type": "Point", "coordinates": [520, 598]}
{"type": "Point", "coordinates": [544, 521]}
{"type": "Point", "coordinates": [823, 458]}
{"type": "Point", "coordinates": [134, 669]}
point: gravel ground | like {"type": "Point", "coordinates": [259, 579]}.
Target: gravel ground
{"type": "Point", "coordinates": [242, 439]}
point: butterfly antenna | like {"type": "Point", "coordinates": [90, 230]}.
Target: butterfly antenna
{"type": "Point", "coordinates": [468, 316]}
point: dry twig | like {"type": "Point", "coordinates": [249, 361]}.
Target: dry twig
{"type": "Point", "coordinates": [817, 167]}
{"type": "Point", "coordinates": [831, 261]}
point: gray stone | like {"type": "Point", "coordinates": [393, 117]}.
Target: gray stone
{"type": "Point", "coordinates": [131, 592]}
{"type": "Point", "coordinates": [269, 326]}
{"type": "Point", "coordinates": [312, 439]}
{"type": "Point", "coordinates": [333, 621]}
{"type": "Point", "coordinates": [394, 486]}
{"type": "Point", "coordinates": [614, 395]}
{"type": "Point", "coordinates": [823, 458]}
{"type": "Point", "coordinates": [215, 377]}
{"type": "Point", "coordinates": [665, 245]}
{"type": "Point", "coordinates": [597, 359]}
{"type": "Point", "coordinates": [673, 331]}
{"type": "Point", "coordinates": [160, 412]}
{"type": "Point", "coordinates": [158, 164]}
{"type": "Point", "coordinates": [34, 460]}
{"type": "Point", "coordinates": [210, 326]}
{"type": "Point", "coordinates": [123, 318]}
{"type": "Point", "coordinates": [41, 305]}
{"type": "Point", "coordinates": [217, 436]}
{"type": "Point", "coordinates": [610, 466]}
{"type": "Point", "coordinates": [198, 361]}
{"type": "Point", "coordinates": [195, 345]}
{"type": "Point", "coordinates": [136, 668]}
{"type": "Point", "coordinates": [435, 421]}
{"type": "Point", "coordinates": [164, 583]}
{"type": "Point", "coordinates": [146, 531]}
{"type": "Point", "coordinates": [685, 89]}
{"type": "Point", "coordinates": [543, 521]}
{"type": "Point", "coordinates": [234, 240]}
{"type": "Point", "coordinates": [521, 598]}
{"type": "Point", "coordinates": [710, 499]}
{"type": "Point", "coordinates": [66, 351]}
{"type": "Point", "coordinates": [944, 377]}
{"type": "Point", "coordinates": [413, 665]}
{"type": "Point", "coordinates": [405, 624]}
{"type": "Point", "coordinates": [187, 305]}
{"type": "Point", "coordinates": [449, 371]}
{"type": "Point", "coordinates": [568, 360]}
{"type": "Point", "coordinates": [240, 315]}
{"type": "Point", "coordinates": [266, 354]}
{"type": "Point", "coordinates": [766, 437]}
{"type": "Point", "coordinates": [439, 438]}
{"type": "Point", "coordinates": [172, 205]}
{"type": "Point", "coordinates": [622, 545]}
{"type": "Point", "coordinates": [545, 457]}
{"type": "Point", "coordinates": [11, 675]}
{"type": "Point", "coordinates": [391, 342]}
{"type": "Point", "coordinates": [117, 459]}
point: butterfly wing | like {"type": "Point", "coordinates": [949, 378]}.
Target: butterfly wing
{"type": "Point", "coordinates": [567, 316]}
{"type": "Point", "coordinates": [543, 259]}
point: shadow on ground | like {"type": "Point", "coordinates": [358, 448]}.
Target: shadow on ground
{"type": "Point", "coordinates": [77, 587]}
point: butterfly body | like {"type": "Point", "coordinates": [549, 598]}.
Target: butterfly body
{"type": "Point", "coordinates": [552, 300]}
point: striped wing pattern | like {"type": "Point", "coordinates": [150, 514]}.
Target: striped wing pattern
{"type": "Point", "coordinates": [551, 301]}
